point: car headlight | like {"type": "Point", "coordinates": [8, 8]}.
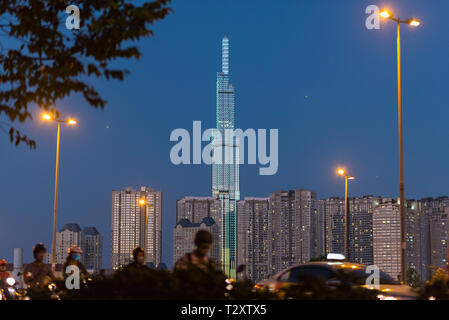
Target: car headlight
{"type": "Point", "coordinates": [11, 281]}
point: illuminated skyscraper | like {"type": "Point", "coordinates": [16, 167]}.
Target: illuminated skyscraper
{"type": "Point", "coordinates": [225, 170]}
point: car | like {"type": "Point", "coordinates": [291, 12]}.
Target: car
{"type": "Point", "coordinates": [330, 273]}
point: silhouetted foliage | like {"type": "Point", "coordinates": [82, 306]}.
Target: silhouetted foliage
{"type": "Point", "coordinates": [437, 287]}
{"type": "Point", "coordinates": [46, 62]}
{"type": "Point", "coordinates": [152, 284]}
{"type": "Point", "coordinates": [197, 284]}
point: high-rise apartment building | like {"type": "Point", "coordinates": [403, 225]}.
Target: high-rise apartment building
{"type": "Point", "coordinates": [434, 235]}
{"type": "Point", "coordinates": [132, 210]}
{"type": "Point", "coordinates": [295, 231]}
{"type": "Point", "coordinates": [387, 238]}
{"type": "Point", "coordinates": [92, 246]}
{"type": "Point", "coordinates": [88, 238]}
{"type": "Point", "coordinates": [68, 235]}
{"type": "Point", "coordinates": [184, 234]}
{"type": "Point", "coordinates": [254, 237]}
{"type": "Point", "coordinates": [195, 209]}
{"type": "Point", "coordinates": [191, 214]}
{"type": "Point", "coordinates": [360, 217]}
{"type": "Point", "coordinates": [332, 229]}
{"type": "Point", "coordinates": [360, 230]}
{"type": "Point", "coordinates": [225, 170]}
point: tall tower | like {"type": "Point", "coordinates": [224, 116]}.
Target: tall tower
{"type": "Point", "coordinates": [225, 172]}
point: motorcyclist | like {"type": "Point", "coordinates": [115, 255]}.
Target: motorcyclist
{"type": "Point", "coordinates": [199, 257]}
{"type": "Point", "coordinates": [73, 259]}
{"type": "Point", "coordinates": [37, 273]}
{"type": "Point", "coordinates": [3, 273]}
{"type": "Point", "coordinates": [139, 260]}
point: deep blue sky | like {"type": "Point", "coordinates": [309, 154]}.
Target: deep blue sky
{"type": "Point", "coordinates": [308, 68]}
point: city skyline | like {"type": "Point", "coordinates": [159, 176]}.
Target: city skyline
{"type": "Point", "coordinates": [309, 154]}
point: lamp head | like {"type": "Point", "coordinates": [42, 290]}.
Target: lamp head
{"type": "Point", "coordinates": [414, 22]}
{"type": "Point", "coordinates": [386, 14]}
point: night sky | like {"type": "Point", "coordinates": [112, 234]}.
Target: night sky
{"type": "Point", "coordinates": [308, 68]}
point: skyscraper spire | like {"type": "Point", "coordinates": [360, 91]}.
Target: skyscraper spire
{"type": "Point", "coordinates": [225, 55]}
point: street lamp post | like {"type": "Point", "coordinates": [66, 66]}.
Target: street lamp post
{"type": "Point", "coordinates": [342, 172]}
{"type": "Point", "coordinates": [143, 202]}
{"type": "Point", "coordinates": [414, 23]}
{"type": "Point", "coordinates": [49, 117]}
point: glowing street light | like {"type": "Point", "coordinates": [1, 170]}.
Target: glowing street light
{"type": "Point", "coordinates": [143, 202]}
{"type": "Point", "coordinates": [413, 22]}
{"type": "Point", "coordinates": [342, 172]}
{"type": "Point", "coordinates": [385, 14]}
{"type": "Point", "coordinates": [49, 117]}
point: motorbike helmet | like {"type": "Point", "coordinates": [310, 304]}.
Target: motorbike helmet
{"type": "Point", "coordinates": [136, 252]}
{"type": "Point", "coordinates": [3, 262]}
{"type": "Point", "coordinates": [39, 248]}
{"type": "Point", "coordinates": [74, 249]}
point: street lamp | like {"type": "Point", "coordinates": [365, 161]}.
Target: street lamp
{"type": "Point", "coordinates": [414, 23]}
{"type": "Point", "coordinates": [69, 121]}
{"type": "Point", "coordinates": [143, 202]}
{"type": "Point", "coordinates": [342, 172]}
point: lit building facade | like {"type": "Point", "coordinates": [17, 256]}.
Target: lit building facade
{"type": "Point", "coordinates": [254, 237]}
{"type": "Point", "coordinates": [92, 246]}
{"type": "Point", "coordinates": [68, 235]}
{"type": "Point", "coordinates": [387, 238]}
{"type": "Point", "coordinates": [295, 229]}
{"type": "Point", "coordinates": [434, 235]}
{"type": "Point", "coordinates": [129, 217]}
{"type": "Point", "coordinates": [184, 234]}
{"type": "Point", "coordinates": [195, 209]}
{"type": "Point", "coordinates": [332, 229]}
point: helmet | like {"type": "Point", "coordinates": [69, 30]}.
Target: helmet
{"type": "Point", "coordinates": [74, 249]}
{"type": "Point", "coordinates": [136, 252]}
{"type": "Point", "coordinates": [39, 248]}
{"type": "Point", "coordinates": [202, 237]}
{"type": "Point", "coordinates": [3, 262]}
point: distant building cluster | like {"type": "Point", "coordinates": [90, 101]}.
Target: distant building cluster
{"type": "Point", "coordinates": [88, 238]}
{"type": "Point", "coordinates": [292, 227]}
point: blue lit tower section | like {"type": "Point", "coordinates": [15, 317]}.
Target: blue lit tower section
{"type": "Point", "coordinates": [225, 173]}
